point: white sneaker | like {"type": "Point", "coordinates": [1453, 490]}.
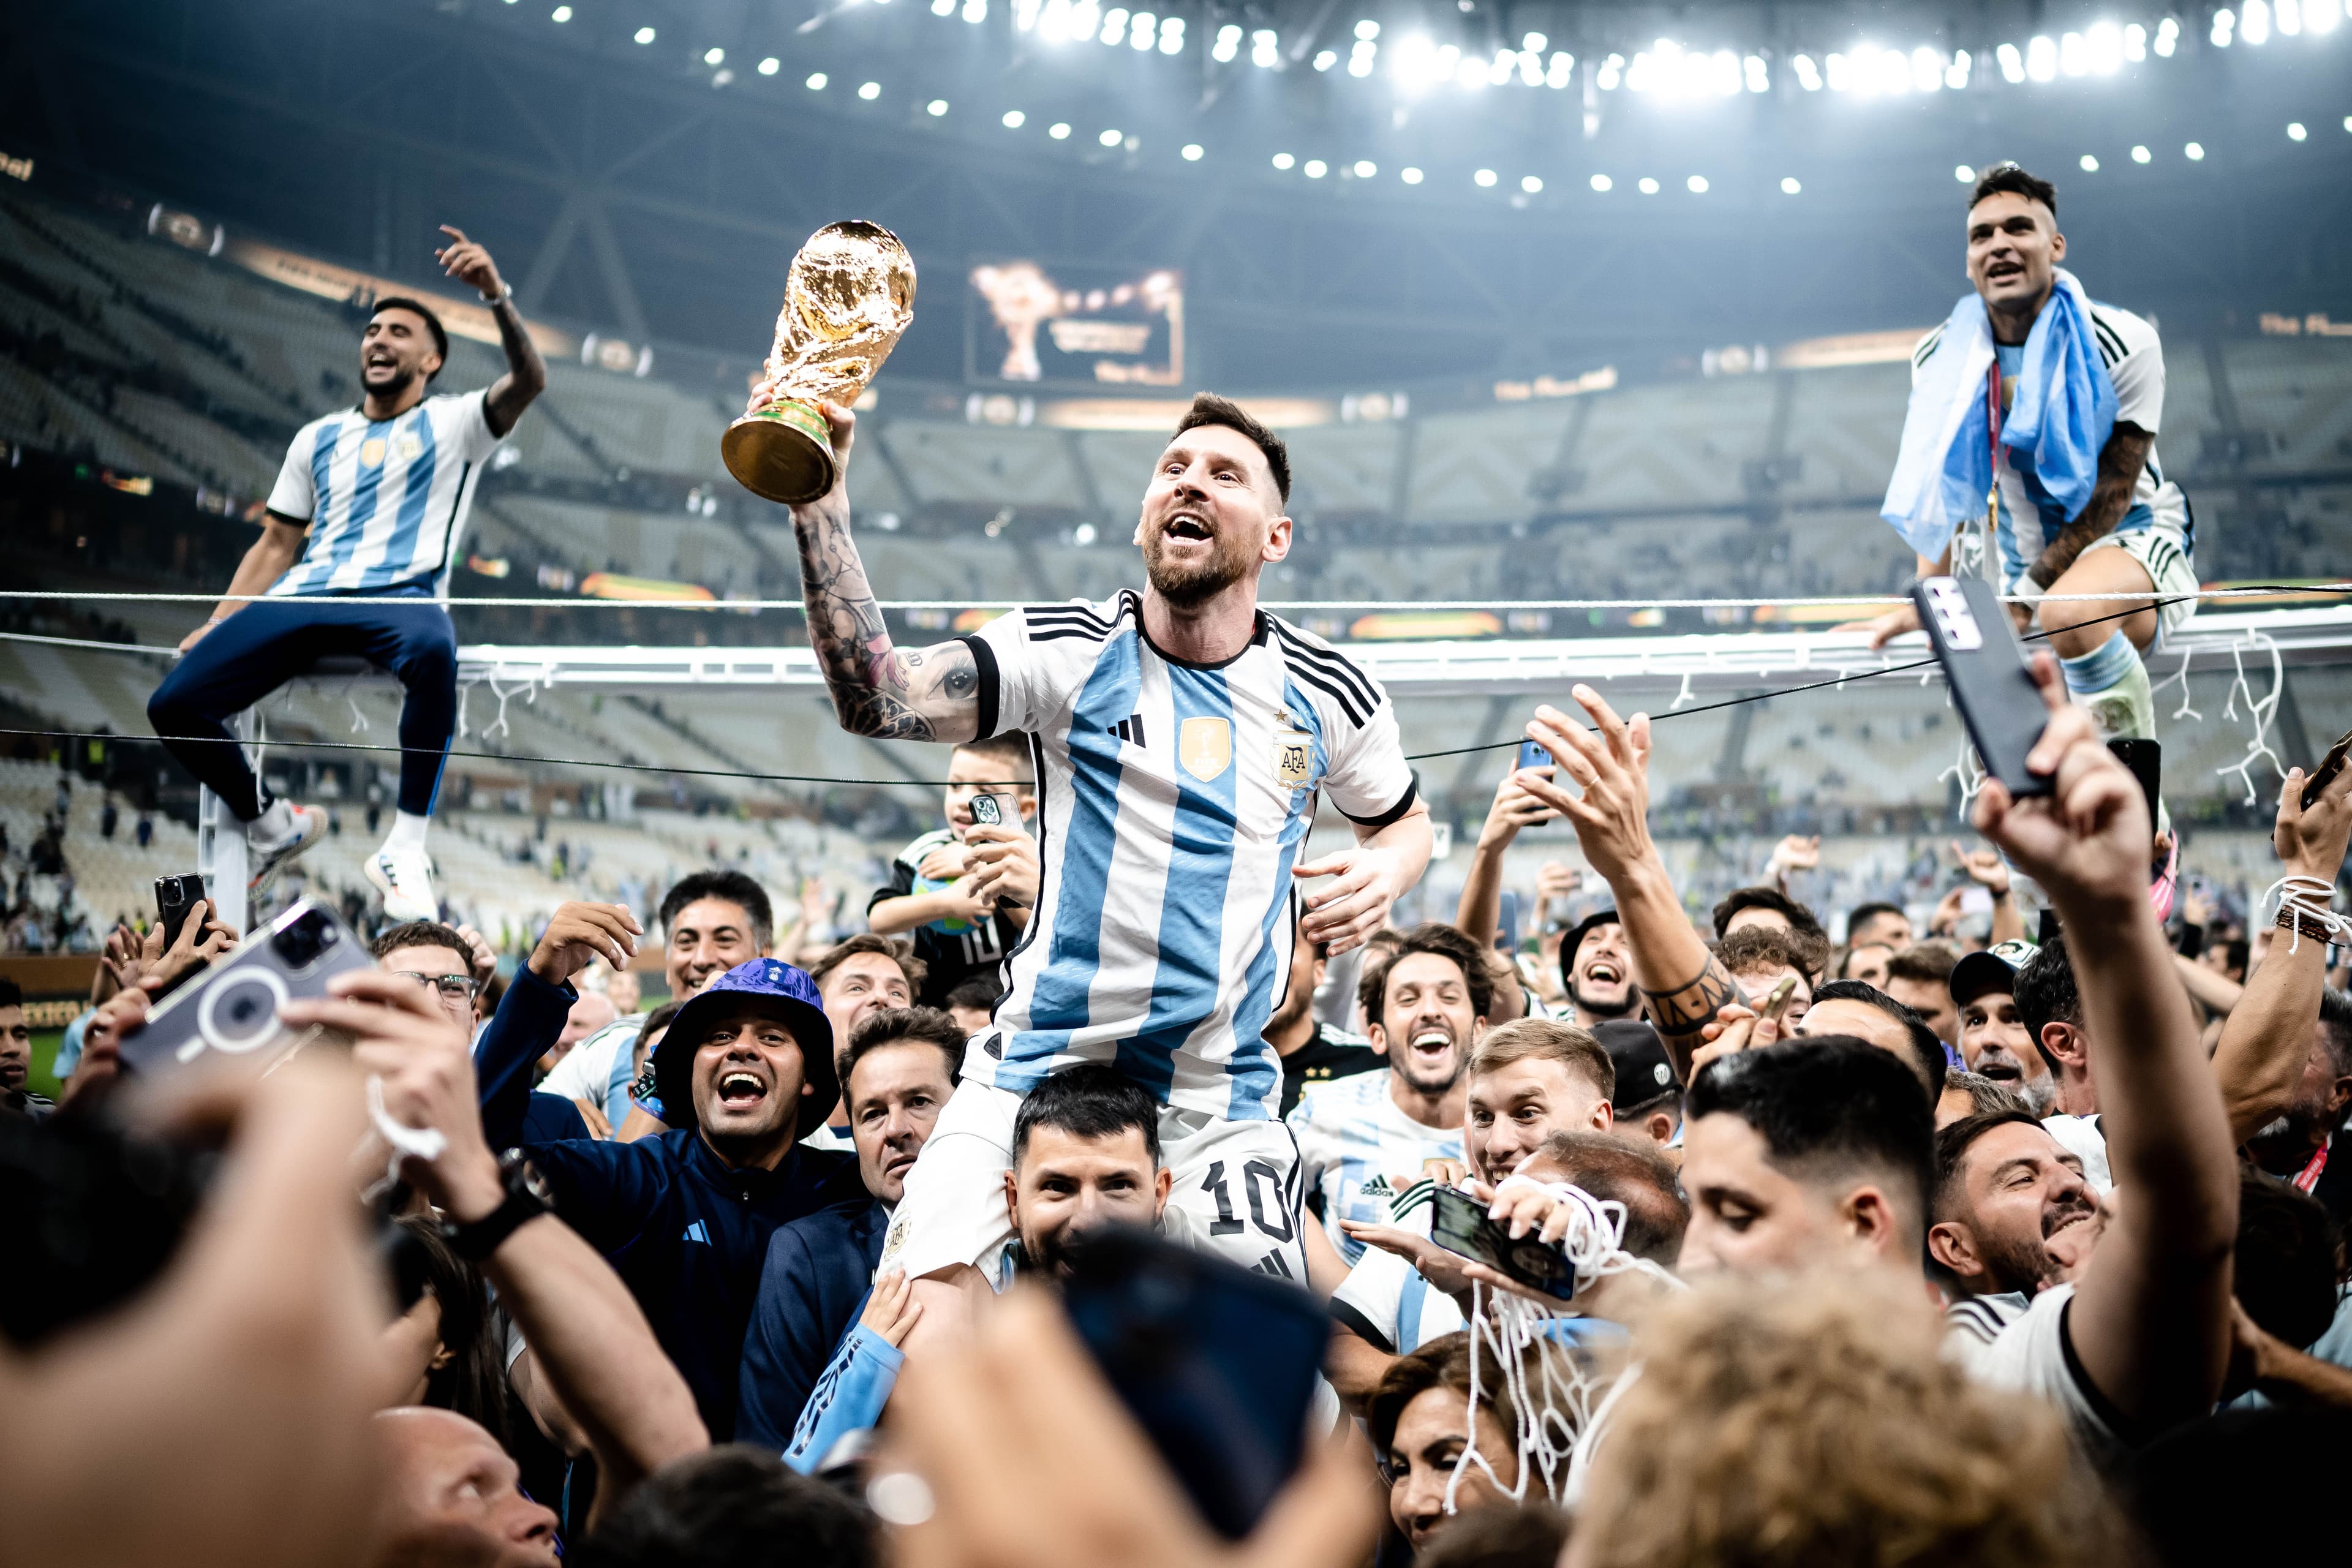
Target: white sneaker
{"type": "Point", "coordinates": [264, 859]}
{"type": "Point", "coordinates": [405, 878]}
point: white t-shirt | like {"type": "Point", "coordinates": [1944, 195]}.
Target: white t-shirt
{"type": "Point", "coordinates": [2082, 1137]}
{"type": "Point", "coordinates": [1361, 1152]}
{"type": "Point", "coordinates": [386, 501]}
{"type": "Point", "coordinates": [1173, 801]}
{"type": "Point", "coordinates": [2003, 1343]}
{"type": "Point", "coordinates": [587, 1069]}
{"type": "Point", "coordinates": [1385, 1300]}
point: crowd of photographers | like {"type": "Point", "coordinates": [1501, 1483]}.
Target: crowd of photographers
{"type": "Point", "coordinates": [2010, 1247]}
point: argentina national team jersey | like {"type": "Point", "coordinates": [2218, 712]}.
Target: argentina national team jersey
{"type": "Point", "coordinates": [386, 499]}
{"type": "Point", "coordinates": [1173, 800]}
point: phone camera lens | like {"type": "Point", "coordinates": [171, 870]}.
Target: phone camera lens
{"type": "Point", "coordinates": [300, 943]}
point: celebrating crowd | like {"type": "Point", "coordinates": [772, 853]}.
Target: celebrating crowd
{"type": "Point", "coordinates": [1135, 1190]}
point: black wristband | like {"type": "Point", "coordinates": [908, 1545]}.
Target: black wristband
{"type": "Point", "coordinates": [527, 1199]}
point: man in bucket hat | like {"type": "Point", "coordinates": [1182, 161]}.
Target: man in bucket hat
{"type": "Point", "coordinates": [745, 1070]}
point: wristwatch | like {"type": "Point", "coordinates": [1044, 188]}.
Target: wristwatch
{"type": "Point", "coordinates": [528, 1197]}
{"type": "Point", "coordinates": [505, 293]}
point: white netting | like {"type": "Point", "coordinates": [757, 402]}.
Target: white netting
{"type": "Point", "coordinates": [2309, 898]}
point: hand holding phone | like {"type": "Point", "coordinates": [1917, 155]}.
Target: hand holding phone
{"type": "Point", "coordinates": [1777, 1003]}
{"type": "Point", "coordinates": [997, 809]}
{"type": "Point", "coordinates": [2324, 774]}
{"type": "Point", "coordinates": [1459, 1224]}
{"type": "Point", "coordinates": [174, 896]}
{"type": "Point", "coordinates": [1992, 686]}
{"type": "Point", "coordinates": [231, 1009]}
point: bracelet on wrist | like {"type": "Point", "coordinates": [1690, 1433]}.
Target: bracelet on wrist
{"type": "Point", "coordinates": [505, 293]}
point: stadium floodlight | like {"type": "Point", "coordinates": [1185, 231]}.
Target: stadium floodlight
{"type": "Point", "coordinates": [1505, 61]}
{"type": "Point", "coordinates": [1530, 69]}
{"type": "Point", "coordinates": [943, 7]}
{"type": "Point", "coordinates": [1809, 74]}
{"type": "Point", "coordinates": [1171, 35]}
{"type": "Point", "coordinates": [1142, 31]}
{"type": "Point", "coordinates": [1315, 168]}
{"type": "Point", "coordinates": [816, 81]}
{"type": "Point", "coordinates": [2225, 25]}
{"type": "Point", "coordinates": [1603, 183]}
{"type": "Point", "coordinates": [1789, 187]}
{"type": "Point", "coordinates": [713, 57]}
{"type": "Point", "coordinates": [1284, 161]}
{"type": "Point", "coordinates": [870, 90]}
{"type": "Point", "coordinates": [1366, 169]}
{"type": "Point", "coordinates": [1410, 176]}
{"type": "Point", "coordinates": [1758, 74]}
{"type": "Point", "coordinates": [975, 11]}
{"type": "Point", "coordinates": [1083, 535]}
{"type": "Point", "coordinates": [1927, 69]}
{"type": "Point", "coordinates": [770, 65]}
{"type": "Point", "coordinates": [645, 35]}
{"type": "Point", "coordinates": [2141, 155]}
{"type": "Point", "coordinates": [1531, 184]}
{"type": "Point", "coordinates": [2041, 58]}
{"type": "Point", "coordinates": [1647, 186]}
{"type": "Point", "coordinates": [1963, 173]}
{"type": "Point", "coordinates": [1111, 138]}
{"type": "Point", "coordinates": [1955, 75]}
{"type": "Point", "coordinates": [1534, 44]}
{"type": "Point", "coordinates": [1266, 52]}
{"type": "Point", "coordinates": [1361, 57]}
{"type": "Point", "coordinates": [1228, 44]}
{"type": "Point", "coordinates": [1024, 15]}
{"type": "Point", "coordinates": [2135, 43]}
{"type": "Point", "coordinates": [2105, 41]}
{"type": "Point", "coordinates": [2255, 21]}
{"type": "Point", "coordinates": [2295, 130]}
{"type": "Point", "coordinates": [1839, 72]}
{"type": "Point", "coordinates": [1484, 179]}
{"type": "Point", "coordinates": [1059, 22]}
{"type": "Point", "coordinates": [2012, 63]}
{"type": "Point", "coordinates": [1192, 152]}
{"type": "Point", "coordinates": [1114, 27]}
{"type": "Point", "coordinates": [2322, 16]}
{"type": "Point", "coordinates": [1611, 74]}
{"type": "Point", "coordinates": [2168, 37]}
{"type": "Point", "coordinates": [1325, 59]}
{"type": "Point", "coordinates": [1562, 70]}
{"type": "Point", "coordinates": [936, 107]}
{"type": "Point", "coordinates": [1696, 185]}
{"type": "Point", "coordinates": [562, 14]}
{"type": "Point", "coordinates": [2194, 152]}
{"type": "Point", "coordinates": [1059, 131]}
{"type": "Point", "coordinates": [1366, 31]}
{"type": "Point", "coordinates": [1014, 119]}
{"type": "Point", "coordinates": [2090, 164]}
{"type": "Point", "coordinates": [2074, 53]}
{"type": "Point", "coordinates": [2290, 18]}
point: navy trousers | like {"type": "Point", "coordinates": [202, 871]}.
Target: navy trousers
{"type": "Point", "coordinates": [267, 644]}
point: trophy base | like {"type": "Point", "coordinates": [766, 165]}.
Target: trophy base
{"type": "Point", "coordinates": [783, 452]}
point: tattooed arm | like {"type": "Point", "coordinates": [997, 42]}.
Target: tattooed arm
{"type": "Point", "coordinates": [2120, 462]}
{"type": "Point", "coordinates": [1679, 978]}
{"type": "Point", "coordinates": [932, 694]}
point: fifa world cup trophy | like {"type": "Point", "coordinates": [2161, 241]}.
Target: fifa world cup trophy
{"type": "Point", "coordinates": [850, 294]}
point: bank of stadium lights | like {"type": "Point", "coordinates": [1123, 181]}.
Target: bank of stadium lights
{"type": "Point", "coordinates": [1228, 44]}
{"type": "Point", "coordinates": [770, 65]}
{"type": "Point", "coordinates": [816, 81]}
{"type": "Point", "coordinates": [1603, 183]}
{"type": "Point", "coordinates": [936, 107]}
{"type": "Point", "coordinates": [560, 15]}
{"type": "Point", "coordinates": [1014, 119]}
{"type": "Point", "coordinates": [714, 56]}
{"type": "Point", "coordinates": [1647, 186]}
{"type": "Point", "coordinates": [1193, 152]}
{"type": "Point", "coordinates": [644, 35]}
{"type": "Point", "coordinates": [1059, 131]}
{"type": "Point", "coordinates": [1315, 168]}
{"type": "Point", "coordinates": [1285, 161]}
{"type": "Point", "coordinates": [869, 90]}
{"type": "Point", "coordinates": [1485, 179]}
{"type": "Point", "coordinates": [2295, 132]}
{"type": "Point", "coordinates": [1110, 138]}
{"type": "Point", "coordinates": [1412, 176]}
{"type": "Point", "coordinates": [2194, 152]}
{"type": "Point", "coordinates": [1790, 187]}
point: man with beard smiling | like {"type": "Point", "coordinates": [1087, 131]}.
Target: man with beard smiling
{"type": "Point", "coordinates": [1182, 738]}
{"type": "Point", "coordinates": [353, 555]}
{"type": "Point", "coordinates": [1364, 1141]}
{"type": "Point", "coordinates": [685, 1216]}
{"type": "Point", "coordinates": [1597, 967]}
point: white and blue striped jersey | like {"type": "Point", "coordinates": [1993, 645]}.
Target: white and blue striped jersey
{"type": "Point", "coordinates": [1173, 800]}
{"type": "Point", "coordinates": [1363, 1153]}
{"type": "Point", "coordinates": [386, 499]}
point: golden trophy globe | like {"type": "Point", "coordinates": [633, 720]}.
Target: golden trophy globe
{"type": "Point", "coordinates": [850, 294]}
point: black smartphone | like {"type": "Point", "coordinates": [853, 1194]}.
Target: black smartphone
{"type": "Point", "coordinates": [1532, 755]}
{"type": "Point", "coordinates": [1459, 1224]}
{"type": "Point", "coordinates": [231, 1009]}
{"type": "Point", "coordinates": [174, 897]}
{"type": "Point", "coordinates": [2324, 774]}
{"type": "Point", "coordinates": [1215, 1362]}
{"type": "Point", "coordinates": [1985, 667]}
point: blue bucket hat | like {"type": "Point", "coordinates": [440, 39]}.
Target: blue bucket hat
{"type": "Point", "coordinates": [766, 985]}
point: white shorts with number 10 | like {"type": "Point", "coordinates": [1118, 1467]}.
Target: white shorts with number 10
{"type": "Point", "coordinates": [1236, 1191]}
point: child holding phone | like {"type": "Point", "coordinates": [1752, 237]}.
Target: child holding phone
{"type": "Point", "coordinates": [962, 891]}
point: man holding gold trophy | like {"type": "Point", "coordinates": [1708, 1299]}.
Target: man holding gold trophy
{"type": "Point", "coordinates": [1181, 737]}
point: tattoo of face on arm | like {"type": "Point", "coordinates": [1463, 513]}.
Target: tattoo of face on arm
{"type": "Point", "coordinates": [877, 691]}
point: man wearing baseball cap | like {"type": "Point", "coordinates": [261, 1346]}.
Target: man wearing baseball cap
{"type": "Point", "coordinates": [1647, 1098]}
{"type": "Point", "coordinates": [745, 1070]}
{"type": "Point", "coordinates": [1994, 1040]}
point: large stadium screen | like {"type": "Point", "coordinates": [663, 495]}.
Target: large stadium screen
{"type": "Point", "coordinates": [1031, 323]}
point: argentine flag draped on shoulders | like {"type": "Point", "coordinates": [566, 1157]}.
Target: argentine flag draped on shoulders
{"type": "Point", "coordinates": [2056, 425]}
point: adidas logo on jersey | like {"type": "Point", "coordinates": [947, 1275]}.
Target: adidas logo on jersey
{"type": "Point", "coordinates": [1378, 1187]}
{"type": "Point", "coordinates": [1272, 1263]}
{"type": "Point", "coordinates": [1130, 729]}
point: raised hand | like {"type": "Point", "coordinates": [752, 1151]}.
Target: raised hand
{"type": "Point", "coordinates": [1513, 809]}
{"type": "Point", "coordinates": [1610, 764]}
{"type": "Point", "coordinates": [1795, 852]}
{"type": "Point", "coordinates": [1984, 867]}
{"type": "Point", "coordinates": [467, 261]}
{"type": "Point", "coordinates": [2090, 838]}
{"type": "Point", "coordinates": [2311, 843]}
{"type": "Point", "coordinates": [579, 934]}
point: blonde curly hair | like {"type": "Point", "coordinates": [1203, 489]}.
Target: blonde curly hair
{"type": "Point", "coordinates": [1813, 1421]}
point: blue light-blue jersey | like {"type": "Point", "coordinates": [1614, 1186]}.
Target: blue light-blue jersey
{"type": "Point", "coordinates": [387, 499]}
{"type": "Point", "coordinates": [1364, 1154]}
{"type": "Point", "coordinates": [1173, 800]}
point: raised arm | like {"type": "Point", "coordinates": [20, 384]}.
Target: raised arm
{"type": "Point", "coordinates": [586, 1333]}
{"type": "Point", "coordinates": [1679, 978]}
{"type": "Point", "coordinates": [930, 695]}
{"type": "Point", "coordinates": [1481, 909]}
{"type": "Point", "coordinates": [2150, 1318]}
{"type": "Point", "coordinates": [2267, 1037]}
{"type": "Point", "coordinates": [526, 377]}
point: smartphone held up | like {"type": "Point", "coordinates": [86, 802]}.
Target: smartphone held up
{"type": "Point", "coordinates": [1991, 684]}
{"type": "Point", "coordinates": [231, 1009]}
